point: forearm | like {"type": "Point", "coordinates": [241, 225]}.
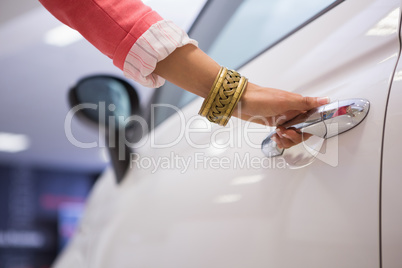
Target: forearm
{"type": "Point", "coordinates": [189, 68]}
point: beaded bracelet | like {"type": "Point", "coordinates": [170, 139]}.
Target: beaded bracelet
{"type": "Point", "coordinates": [225, 93]}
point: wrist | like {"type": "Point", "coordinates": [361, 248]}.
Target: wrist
{"type": "Point", "coordinates": [245, 105]}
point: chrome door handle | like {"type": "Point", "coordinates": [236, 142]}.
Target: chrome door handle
{"type": "Point", "coordinates": [346, 114]}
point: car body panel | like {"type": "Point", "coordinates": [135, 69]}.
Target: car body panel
{"type": "Point", "coordinates": [391, 182]}
{"type": "Point", "coordinates": [249, 211]}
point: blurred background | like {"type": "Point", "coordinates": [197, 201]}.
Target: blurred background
{"type": "Point", "coordinates": [44, 178]}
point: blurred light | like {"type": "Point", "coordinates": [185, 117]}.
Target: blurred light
{"type": "Point", "coordinates": [398, 76]}
{"type": "Point", "coordinates": [247, 179]}
{"type": "Point", "coordinates": [388, 58]}
{"type": "Point", "coordinates": [230, 198]}
{"type": "Point", "coordinates": [13, 143]}
{"type": "Point", "coordinates": [201, 123]}
{"type": "Point", "coordinates": [62, 36]}
{"type": "Point", "coordinates": [386, 26]}
{"type": "Point", "coordinates": [216, 151]}
{"type": "Point", "coordinates": [69, 215]}
{"type": "Point", "coordinates": [104, 154]}
{"type": "Point", "coordinates": [218, 146]}
{"type": "Point", "coordinates": [21, 239]}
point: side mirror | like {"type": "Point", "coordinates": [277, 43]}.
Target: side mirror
{"type": "Point", "coordinates": [106, 102]}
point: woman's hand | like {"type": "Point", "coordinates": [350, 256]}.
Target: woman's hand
{"type": "Point", "coordinates": [273, 107]}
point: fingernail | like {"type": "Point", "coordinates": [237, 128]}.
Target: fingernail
{"type": "Point", "coordinates": [323, 100]}
{"type": "Point", "coordinates": [279, 132]}
{"type": "Point", "coordinates": [275, 139]}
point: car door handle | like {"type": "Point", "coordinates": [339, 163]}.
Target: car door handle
{"type": "Point", "coordinates": [325, 121]}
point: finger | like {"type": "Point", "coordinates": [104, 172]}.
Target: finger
{"type": "Point", "coordinates": [291, 134]}
{"type": "Point", "coordinates": [296, 135]}
{"type": "Point", "coordinates": [284, 139]}
{"type": "Point", "coordinates": [278, 141]}
{"type": "Point", "coordinates": [291, 137]}
{"type": "Point", "coordinates": [287, 143]}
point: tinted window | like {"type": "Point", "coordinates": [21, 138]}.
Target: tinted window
{"type": "Point", "coordinates": [257, 24]}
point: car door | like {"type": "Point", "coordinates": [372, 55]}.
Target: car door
{"type": "Point", "coordinates": [205, 196]}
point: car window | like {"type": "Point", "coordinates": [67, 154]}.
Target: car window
{"type": "Point", "coordinates": [257, 24]}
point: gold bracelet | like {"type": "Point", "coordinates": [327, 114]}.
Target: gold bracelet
{"type": "Point", "coordinates": [235, 100]}
{"type": "Point", "coordinates": [224, 97]}
{"type": "Point", "coordinates": [206, 105]}
{"type": "Point", "coordinates": [226, 92]}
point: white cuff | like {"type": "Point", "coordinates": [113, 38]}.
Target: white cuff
{"type": "Point", "coordinates": [161, 39]}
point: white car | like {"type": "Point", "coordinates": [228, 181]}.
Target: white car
{"type": "Point", "coordinates": [200, 195]}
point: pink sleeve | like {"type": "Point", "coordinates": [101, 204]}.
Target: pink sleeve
{"type": "Point", "coordinates": [154, 45]}
{"type": "Point", "coordinates": [112, 26]}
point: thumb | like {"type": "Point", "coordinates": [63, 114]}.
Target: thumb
{"type": "Point", "coordinates": [308, 103]}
